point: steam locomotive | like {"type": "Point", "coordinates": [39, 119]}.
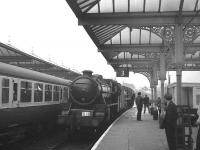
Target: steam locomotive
{"type": "Point", "coordinates": [94, 101]}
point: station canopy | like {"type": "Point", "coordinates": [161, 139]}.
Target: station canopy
{"type": "Point", "coordinates": [131, 34]}
{"type": "Point", "coordinates": [13, 56]}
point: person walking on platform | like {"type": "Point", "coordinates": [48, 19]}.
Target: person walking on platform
{"type": "Point", "coordinates": [139, 104]}
{"type": "Point", "coordinates": [133, 98]}
{"type": "Point", "coordinates": [170, 122]}
{"type": "Point", "coordinates": [146, 103]}
{"type": "Point", "coordinates": [158, 104]}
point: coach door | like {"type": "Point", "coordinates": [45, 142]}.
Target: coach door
{"type": "Point", "coordinates": [15, 89]}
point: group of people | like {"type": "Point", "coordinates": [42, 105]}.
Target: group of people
{"type": "Point", "coordinates": [170, 119]}
{"type": "Point", "coordinates": [140, 102]}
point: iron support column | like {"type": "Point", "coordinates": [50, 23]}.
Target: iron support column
{"type": "Point", "coordinates": [162, 94]}
{"type": "Point", "coordinates": [162, 77]}
{"type": "Point", "coordinates": [155, 80]}
{"type": "Point", "coordinates": [179, 80]}
{"type": "Point", "coordinates": [155, 92]}
{"type": "Point", "coordinates": [179, 58]}
{"type": "Point", "coordinates": [152, 93]}
{"type": "Point", "coordinates": [152, 86]}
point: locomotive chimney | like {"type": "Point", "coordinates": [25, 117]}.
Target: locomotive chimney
{"type": "Point", "coordinates": [87, 73]}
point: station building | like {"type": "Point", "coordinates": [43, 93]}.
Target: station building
{"type": "Point", "coordinates": [190, 94]}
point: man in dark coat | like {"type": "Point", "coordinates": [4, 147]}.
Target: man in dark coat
{"type": "Point", "coordinates": [158, 104]}
{"type": "Point", "coordinates": [139, 103]}
{"type": "Point", "coordinates": [133, 98]}
{"type": "Point", "coordinates": [146, 103]}
{"type": "Point", "coordinates": [170, 122]}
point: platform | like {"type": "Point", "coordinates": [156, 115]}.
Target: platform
{"type": "Point", "coordinates": [129, 134]}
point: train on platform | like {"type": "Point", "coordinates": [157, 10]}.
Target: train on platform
{"type": "Point", "coordinates": [29, 101]}
{"type": "Point", "coordinates": [94, 101]}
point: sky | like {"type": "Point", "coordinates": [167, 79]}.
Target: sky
{"type": "Point", "coordinates": [49, 29]}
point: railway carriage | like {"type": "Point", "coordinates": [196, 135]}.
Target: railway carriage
{"type": "Point", "coordinates": [29, 100]}
{"type": "Point", "coordinates": [126, 94]}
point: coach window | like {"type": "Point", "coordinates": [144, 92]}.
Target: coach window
{"type": "Point", "coordinates": [56, 93]}
{"type": "Point", "coordinates": [61, 93]}
{"type": "Point", "coordinates": [65, 95]}
{"type": "Point", "coordinates": [26, 89]}
{"type": "Point", "coordinates": [15, 89]}
{"type": "Point", "coordinates": [48, 92]}
{"type": "Point", "coordinates": [38, 92]}
{"type": "Point", "coordinates": [5, 91]}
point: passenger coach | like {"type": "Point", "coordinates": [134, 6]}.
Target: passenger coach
{"type": "Point", "coordinates": [29, 99]}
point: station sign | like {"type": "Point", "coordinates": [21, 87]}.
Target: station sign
{"type": "Point", "coordinates": [122, 72]}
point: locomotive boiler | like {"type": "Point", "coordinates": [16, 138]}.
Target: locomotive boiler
{"type": "Point", "coordinates": [93, 101]}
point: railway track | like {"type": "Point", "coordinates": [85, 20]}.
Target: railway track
{"type": "Point", "coordinates": [59, 140]}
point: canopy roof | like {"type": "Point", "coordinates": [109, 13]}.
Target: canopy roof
{"type": "Point", "coordinates": [132, 33]}
{"type": "Point", "coordinates": [13, 56]}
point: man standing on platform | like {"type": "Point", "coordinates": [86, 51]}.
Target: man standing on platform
{"type": "Point", "coordinates": [146, 103]}
{"type": "Point", "coordinates": [170, 122]}
{"type": "Point", "coordinates": [133, 99]}
{"type": "Point", "coordinates": [139, 103]}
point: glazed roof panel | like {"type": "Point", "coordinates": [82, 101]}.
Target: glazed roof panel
{"type": "Point", "coordinates": [125, 30]}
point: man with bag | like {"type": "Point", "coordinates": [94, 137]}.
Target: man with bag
{"type": "Point", "coordinates": [169, 122]}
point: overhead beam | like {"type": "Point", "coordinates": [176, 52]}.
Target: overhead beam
{"type": "Point", "coordinates": [132, 61]}
{"type": "Point", "coordinates": [170, 68]}
{"type": "Point", "coordinates": [136, 68]}
{"type": "Point", "coordinates": [192, 61]}
{"type": "Point", "coordinates": [151, 48]}
{"type": "Point", "coordinates": [138, 19]}
{"type": "Point", "coordinates": [147, 61]}
{"type": "Point", "coordinates": [185, 68]}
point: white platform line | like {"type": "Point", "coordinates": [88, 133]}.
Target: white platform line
{"type": "Point", "coordinates": [104, 134]}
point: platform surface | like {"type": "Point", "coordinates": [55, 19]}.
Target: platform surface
{"type": "Point", "coordinates": [129, 134]}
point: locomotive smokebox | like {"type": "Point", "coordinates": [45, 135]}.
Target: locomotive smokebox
{"type": "Point", "coordinates": [84, 89]}
{"type": "Point", "coordinates": [87, 73]}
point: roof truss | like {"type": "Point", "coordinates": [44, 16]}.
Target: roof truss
{"type": "Point", "coordinates": [104, 27]}
{"type": "Point", "coordinates": [139, 19]}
